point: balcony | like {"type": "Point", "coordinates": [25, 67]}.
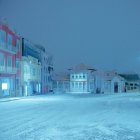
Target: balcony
{"type": "Point", "coordinates": [2, 69]}
{"type": "Point", "coordinates": [9, 49]}
{"type": "Point", "coordinates": [9, 70]}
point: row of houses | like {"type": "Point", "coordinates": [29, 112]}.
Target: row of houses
{"type": "Point", "coordinates": [25, 67]}
{"type": "Point", "coordinates": [85, 79]}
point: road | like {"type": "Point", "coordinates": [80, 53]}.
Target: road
{"type": "Point", "coordinates": [71, 117]}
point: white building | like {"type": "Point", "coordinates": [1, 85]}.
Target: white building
{"type": "Point", "coordinates": [31, 75]}
{"type": "Point", "coordinates": [132, 82]}
{"type": "Point", "coordinates": [108, 82]}
{"type": "Point", "coordinates": [61, 82]}
{"type": "Point", "coordinates": [80, 79]}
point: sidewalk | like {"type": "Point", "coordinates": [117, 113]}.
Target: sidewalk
{"type": "Point", "coordinates": [8, 99]}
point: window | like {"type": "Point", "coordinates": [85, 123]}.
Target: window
{"type": "Point", "coordinates": [33, 71]}
{"type": "Point", "coordinates": [76, 84]}
{"type": "Point", "coordinates": [135, 87]}
{"type": "Point", "coordinates": [73, 76]}
{"type": "Point", "coordinates": [80, 84]}
{"type": "Point", "coordinates": [73, 84]}
{"type": "Point", "coordinates": [17, 63]}
{"type": "Point", "coordinates": [3, 36]}
{"type": "Point", "coordinates": [131, 84]}
{"type": "Point", "coordinates": [9, 61]}
{"type": "Point", "coordinates": [18, 45]}
{"type": "Point", "coordinates": [4, 86]}
{"type": "Point", "coordinates": [2, 59]}
{"type": "Point", "coordinates": [9, 39]}
{"type": "Point", "coordinates": [17, 84]}
{"type": "Point", "coordinates": [25, 69]}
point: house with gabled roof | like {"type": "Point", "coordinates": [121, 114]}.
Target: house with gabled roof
{"type": "Point", "coordinates": [80, 78]}
{"type": "Point", "coordinates": [108, 82]}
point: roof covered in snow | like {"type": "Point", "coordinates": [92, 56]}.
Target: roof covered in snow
{"type": "Point", "coordinates": [61, 77]}
{"type": "Point", "coordinates": [82, 67]}
{"type": "Point", "coordinates": [130, 77]}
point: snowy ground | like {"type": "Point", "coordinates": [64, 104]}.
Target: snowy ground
{"type": "Point", "coordinates": [71, 117]}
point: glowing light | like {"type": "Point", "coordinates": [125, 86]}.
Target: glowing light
{"type": "Point", "coordinates": [4, 86]}
{"type": "Point", "coordinates": [39, 88]}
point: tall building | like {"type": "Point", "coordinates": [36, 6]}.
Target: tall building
{"type": "Point", "coordinates": [31, 68]}
{"type": "Point", "coordinates": [38, 64]}
{"type": "Point", "coordinates": [47, 69]}
{"type": "Point", "coordinates": [10, 58]}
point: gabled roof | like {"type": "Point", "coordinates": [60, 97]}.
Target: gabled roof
{"type": "Point", "coordinates": [61, 77]}
{"type": "Point", "coordinates": [82, 67]}
{"type": "Point", "coordinates": [108, 75]}
{"type": "Point", "coordinates": [130, 77]}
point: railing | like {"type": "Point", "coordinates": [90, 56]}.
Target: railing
{"type": "Point", "coordinates": [10, 48]}
{"type": "Point", "coordinates": [9, 70]}
{"type": "Point", "coordinates": [2, 45]}
{"type": "Point", "coordinates": [2, 69]}
{"type": "Point", "coordinates": [14, 70]}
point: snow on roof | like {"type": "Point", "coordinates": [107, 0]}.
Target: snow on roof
{"type": "Point", "coordinates": [130, 77]}
{"type": "Point", "coordinates": [61, 77]}
{"type": "Point", "coordinates": [82, 67]}
{"type": "Point", "coordinates": [108, 75]}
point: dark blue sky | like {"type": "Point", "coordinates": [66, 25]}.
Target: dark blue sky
{"type": "Point", "coordinates": [101, 33]}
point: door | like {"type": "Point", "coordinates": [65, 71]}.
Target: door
{"type": "Point", "coordinates": [115, 87]}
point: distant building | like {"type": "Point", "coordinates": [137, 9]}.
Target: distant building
{"type": "Point", "coordinates": [80, 79]}
{"type": "Point", "coordinates": [10, 61]}
{"type": "Point", "coordinates": [61, 82]}
{"type": "Point", "coordinates": [132, 82]}
{"type": "Point", "coordinates": [108, 82]}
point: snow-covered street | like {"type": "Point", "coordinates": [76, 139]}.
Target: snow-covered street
{"type": "Point", "coordinates": [71, 117]}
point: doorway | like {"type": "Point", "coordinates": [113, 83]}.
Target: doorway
{"type": "Point", "coordinates": [116, 87]}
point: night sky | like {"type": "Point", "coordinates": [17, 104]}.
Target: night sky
{"type": "Point", "coordinates": [102, 33]}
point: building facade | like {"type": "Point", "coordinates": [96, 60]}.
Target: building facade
{"type": "Point", "coordinates": [61, 83]}
{"type": "Point", "coordinates": [31, 68]}
{"type": "Point", "coordinates": [108, 82]}
{"type": "Point", "coordinates": [80, 79]}
{"type": "Point", "coordinates": [31, 76]}
{"type": "Point", "coordinates": [46, 70]}
{"type": "Point", "coordinates": [132, 82]}
{"type": "Point", "coordinates": [10, 61]}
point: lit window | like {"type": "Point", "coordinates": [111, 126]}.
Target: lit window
{"type": "Point", "coordinates": [4, 86]}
